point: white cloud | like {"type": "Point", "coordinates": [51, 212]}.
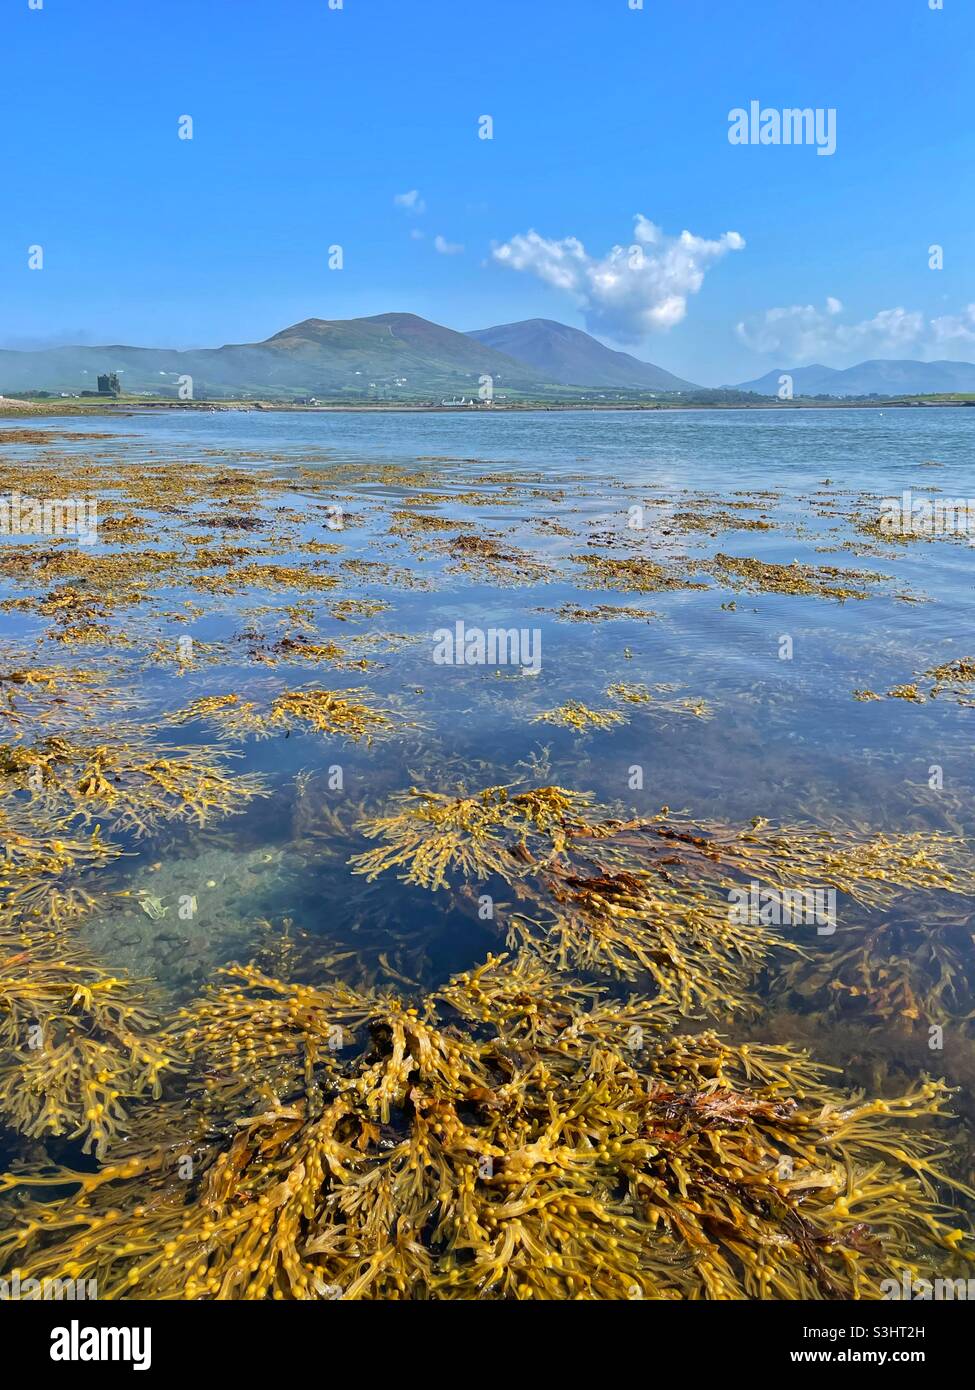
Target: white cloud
{"type": "Point", "coordinates": [955, 329]}
{"type": "Point", "coordinates": [632, 290]}
{"type": "Point", "coordinates": [804, 333]}
{"type": "Point", "coordinates": [445, 247]}
{"type": "Point", "coordinates": [411, 202]}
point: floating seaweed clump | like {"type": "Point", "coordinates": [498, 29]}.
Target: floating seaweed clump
{"type": "Point", "coordinates": [657, 699]}
{"type": "Point", "coordinates": [300, 648]}
{"type": "Point", "coordinates": [494, 831]}
{"type": "Point", "coordinates": [486, 559]}
{"type": "Point", "coordinates": [575, 715]}
{"type": "Point", "coordinates": [716, 521]}
{"type": "Point", "coordinates": [607, 905]}
{"type": "Point", "coordinates": [634, 574]}
{"type": "Point", "coordinates": [185, 657]}
{"type": "Point", "coordinates": [127, 782]}
{"type": "Point", "coordinates": [125, 528]}
{"type": "Point", "coordinates": [604, 613]}
{"type": "Point", "coordinates": [907, 692]}
{"type": "Point", "coordinates": [516, 1135]}
{"type": "Point", "coordinates": [953, 678]}
{"type": "Point", "coordinates": [413, 523]}
{"type": "Point", "coordinates": [232, 717]}
{"type": "Point", "coordinates": [264, 576]}
{"type": "Point", "coordinates": [46, 679]}
{"type": "Point", "coordinates": [953, 673]}
{"type": "Point", "coordinates": [62, 696]}
{"type": "Point", "coordinates": [631, 694]}
{"type": "Point", "coordinates": [330, 712]}
{"type": "Point", "coordinates": [824, 581]}
{"type": "Point", "coordinates": [77, 616]}
{"type": "Point", "coordinates": [908, 967]}
{"type": "Point", "coordinates": [344, 609]}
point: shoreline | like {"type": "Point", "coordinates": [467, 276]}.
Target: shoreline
{"type": "Point", "coordinates": [13, 409]}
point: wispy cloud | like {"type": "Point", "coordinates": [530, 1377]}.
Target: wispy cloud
{"type": "Point", "coordinates": [445, 247]}
{"type": "Point", "coordinates": [804, 332]}
{"type": "Point", "coordinates": [411, 202]}
{"type": "Point", "coordinates": [631, 290]}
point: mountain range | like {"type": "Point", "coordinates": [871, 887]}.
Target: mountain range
{"type": "Point", "coordinates": [392, 356]}
{"type": "Point", "coordinates": [405, 357]}
{"type": "Point", "coordinates": [880, 377]}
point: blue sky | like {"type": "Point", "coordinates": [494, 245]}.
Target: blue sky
{"type": "Point", "coordinates": [308, 122]}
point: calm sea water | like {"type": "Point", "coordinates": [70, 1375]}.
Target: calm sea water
{"type": "Point", "coordinates": [788, 733]}
{"type": "Point", "coordinates": [788, 741]}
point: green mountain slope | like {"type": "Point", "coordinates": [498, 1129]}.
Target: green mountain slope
{"type": "Point", "coordinates": [395, 355]}
{"type": "Point", "coordinates": [569, 356]}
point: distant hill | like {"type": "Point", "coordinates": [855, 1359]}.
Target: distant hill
{"type": "Point", "coordinates": [573, 358]}
{"type": "Point", "coordinates": [398, 345]}
{"type": "Point", "coordinates": [399, 355]}
{"type": "Point", "coordinates": [881, 377]}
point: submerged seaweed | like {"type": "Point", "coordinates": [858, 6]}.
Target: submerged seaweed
{"type": "Point", "coordinates": [78, 1045]}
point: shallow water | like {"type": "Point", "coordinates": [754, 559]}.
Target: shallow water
{"type": "Point", "coordinates": [787, 740]}
{"type": "Point", "coordinates": [784, 739]}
